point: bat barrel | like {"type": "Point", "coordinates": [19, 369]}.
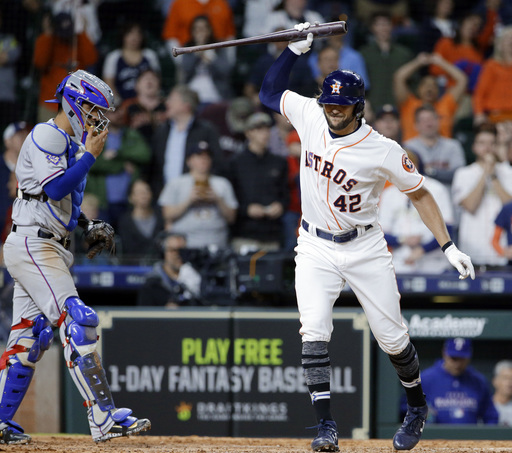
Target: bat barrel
{"type": "Point", "coordinates": [318, 30]}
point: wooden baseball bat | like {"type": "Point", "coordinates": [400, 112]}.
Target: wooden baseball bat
{"type": "Point", "coordinates": [318, 30]}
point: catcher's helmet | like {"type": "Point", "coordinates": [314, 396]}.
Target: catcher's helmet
{"type": "Point", "coordinates": [77, 88]}
{"type": "Point", "coordinates": [343, 87]}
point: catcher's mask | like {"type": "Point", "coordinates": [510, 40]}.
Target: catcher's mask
{"type": "Point", "coordinates": [77, 89]}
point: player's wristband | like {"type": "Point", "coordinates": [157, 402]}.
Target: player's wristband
{"type": "Point", "coordinates": [445, 246]}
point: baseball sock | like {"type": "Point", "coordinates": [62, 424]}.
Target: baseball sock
{"type": "Point", "coordinates": [407, 367]}
{"type": "Point", "coordinates": [317, 373]}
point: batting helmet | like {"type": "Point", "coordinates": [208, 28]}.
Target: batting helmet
{"type": "Point", "coordinates": [77, 88]}
{"type": "Point", "coordinates": [343, 87]}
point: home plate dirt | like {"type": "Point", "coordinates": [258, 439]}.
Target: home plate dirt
{"type": "Point", "coordinates": [194, 444]}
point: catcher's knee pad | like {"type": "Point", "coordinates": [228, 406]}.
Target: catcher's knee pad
{"type": "Point", "coordinates": [80, 332]}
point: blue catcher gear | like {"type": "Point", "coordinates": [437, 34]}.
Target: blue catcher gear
{"type": "Point", "coordinates": [82, 87]}
{"type": "Point", "coordinates": [16, 370]}
{"type": "Point", "coordinates": [344, 87]}
{"type": "Point", "coordinates": [79, 339]}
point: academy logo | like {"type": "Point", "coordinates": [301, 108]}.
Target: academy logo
{"type": "Point", "coordinates": [184, 411]}
{"type": "Point", "coordinates": [336, 88]}
{"type": "Point", "coordinates": [407, 164]}
{"type": "Point", "coordinates": [446, 326]}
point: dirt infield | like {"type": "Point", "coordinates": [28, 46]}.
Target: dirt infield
{"type": "Point", "coordinates": [196, 444]}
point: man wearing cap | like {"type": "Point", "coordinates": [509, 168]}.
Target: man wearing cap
{"type": "Point", "coordinates": [260, 181]}
{"type": "Point", "coordinates": [387, 122]}
{"type": "Point", "coordinates": [197, 204]}
{"type": "Point", "coordinates": [457, 393]}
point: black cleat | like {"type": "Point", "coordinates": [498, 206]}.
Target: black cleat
{"type": "Point", "coordinates": [409, 434]}
{"type": "Point", "coordinates": [11, 436]}
{"type": "Point", "coordinates": [327, 437]}
{"type": "Point", "coordinates": [121, 430]}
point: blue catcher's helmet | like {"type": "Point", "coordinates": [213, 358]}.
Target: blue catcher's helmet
{"type": "Point", "coordinates": [77, 88]}
{"type": "Point", "coordinates": [343, 87]}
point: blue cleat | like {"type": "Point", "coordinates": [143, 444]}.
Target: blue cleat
{"type": "Point", "coordinates": [327, 438]}
{"type": "Point", "coordinates": [409, 434]}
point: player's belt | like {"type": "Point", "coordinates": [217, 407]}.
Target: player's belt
{"type": "Point", "coordinates": [338, 238]}
{"type": "Point", "coordinates": [28, 196]}
{"type": "Point", "coordinates": [30, 231]}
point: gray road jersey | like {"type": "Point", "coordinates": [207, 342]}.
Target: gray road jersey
{"type": "Point", "coordinates": [42, 158]}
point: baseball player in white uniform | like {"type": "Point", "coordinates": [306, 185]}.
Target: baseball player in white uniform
{"type": "Point", "coordinates": [344, 165]}
{"type": "Point", "coordinates": [51, 171]}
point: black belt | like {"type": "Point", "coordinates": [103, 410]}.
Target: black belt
{"type": "Point", "coordinates": [65, 242]}
{"type": "Point", "coordinates": [338, 238]}
{"type": "Point", "coordinates": [28, 196]}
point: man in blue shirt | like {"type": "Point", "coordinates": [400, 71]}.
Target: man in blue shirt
{"type": "Point", "coordinates": [456, 393]}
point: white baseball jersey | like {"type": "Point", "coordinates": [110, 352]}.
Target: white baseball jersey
{"type": "Point", "coordinates": [476, 229]}
{"type": "Point", "coordinates": [341, 182]}
{"type": "Point", "coordinates": [342, 178]}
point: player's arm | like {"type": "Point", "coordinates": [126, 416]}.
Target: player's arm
{"type": "Point", "coordinates": [275, 82]}
{"type": "Point", "coordinates": [65, 183]}
{"type": "Point", "coordinates": [431, 215]}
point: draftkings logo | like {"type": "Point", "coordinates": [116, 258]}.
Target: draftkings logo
{"type": "Point", "coordinates": [184, 411]}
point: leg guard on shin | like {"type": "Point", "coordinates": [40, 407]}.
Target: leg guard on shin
{"type": "Point", "coordinates": [16, 371]}
{"type": "Point", "coordinates": [79, 339]}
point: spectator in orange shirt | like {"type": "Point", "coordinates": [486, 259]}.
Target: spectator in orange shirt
{"type": "Point", "coordinates": [428, 93]}
{"type": "Point", "coordinates": [176, 29]}
{"type": "Point", "coordinates": [492, 98]}
{"type": "Point", "coordinates": [59, 50]}
{"type": "Point", "coordinates": [467, 49]}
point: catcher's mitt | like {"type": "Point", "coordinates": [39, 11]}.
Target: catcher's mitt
{"type": "Point", "coordinates": [99, 235]}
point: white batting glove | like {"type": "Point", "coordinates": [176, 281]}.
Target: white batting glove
{"type": "Point", "coordinates": [303, 46]}
{"type": "Point", "coordinates": [461, 262]}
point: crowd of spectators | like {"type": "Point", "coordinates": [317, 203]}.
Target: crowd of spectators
{"type": "Point", "coordinates": [192, 152]}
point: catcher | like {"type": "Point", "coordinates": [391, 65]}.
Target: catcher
{"type": "Point", "coordinates": [51, 173]}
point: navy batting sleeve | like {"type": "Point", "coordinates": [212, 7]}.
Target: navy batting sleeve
{"type": "Point", "coordinates": [276, 80]}
{"type": "Point", "coordinates": [63, 185]}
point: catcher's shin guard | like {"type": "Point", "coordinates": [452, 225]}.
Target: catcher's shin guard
{"type": "Point", "coordinates": [17, 366]}
{"type": "Point", "coordinates": [79, 339]}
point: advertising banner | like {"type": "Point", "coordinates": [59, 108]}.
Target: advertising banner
{"type": "Point", "coordinates": [231, 372]}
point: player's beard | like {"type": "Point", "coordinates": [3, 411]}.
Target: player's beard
{"type": "Point", "coordinates": [339, 126]}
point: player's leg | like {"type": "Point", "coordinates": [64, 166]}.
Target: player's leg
{"type": "Point", "coordinates": [78, 334]}
{"type": "Point", "coordinates": [380, 299]}
{"type": "Point", "coordinates": [318, 285]}
{"type": "Point", "coordinates": [30, 336]}
{"type": "Point", "coordinates": [41, 269]}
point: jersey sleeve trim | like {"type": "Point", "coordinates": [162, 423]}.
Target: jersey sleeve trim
{"type": "Point", "coordinates": [282, 103]}
{"type": "Point", "coordinates": [416, 187]}
{"type": "Point", "coordinates": [52, 176]}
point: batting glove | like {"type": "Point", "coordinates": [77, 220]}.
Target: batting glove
{"type": "Point", "coordinates": [461, 262]}
{"type": "Point", "coordinates": [303, 46]}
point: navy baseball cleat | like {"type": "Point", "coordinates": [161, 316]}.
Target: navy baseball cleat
{"type": "Point", "coordinates": [409, 434]}
{"type": "Point", "coordinates": [125, 425]}
{"type": "Point", "coordinates": [13, 434]}
{"type": "Point", "coordinates": [327, 437]}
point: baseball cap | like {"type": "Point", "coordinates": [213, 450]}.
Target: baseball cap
{"type": "Point", "coordinates": [199, 148]}
{"type": "Point", "coordinates": [238, 111]}
{"type": "Point", "coordinates": [458, 347]}
{"type": "Point", "coordinates": [63, 26]}
{"type": "Point", "coordinates": [13, 128]}
{"type": "Point", "coordinates": [387, 109]}
{"type": "Point", "coordinates": [259, 119]}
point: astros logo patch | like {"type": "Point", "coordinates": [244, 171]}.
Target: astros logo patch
{"type": "Point", "coordinates": [336, 88]}
{"type": "Point", "coordinates": [408, 165]}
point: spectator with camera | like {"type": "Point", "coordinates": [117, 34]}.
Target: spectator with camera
{"type": "Point", "coordinates": [198, 204]}
{"type": "Point", "coordinates": [173, 282]}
